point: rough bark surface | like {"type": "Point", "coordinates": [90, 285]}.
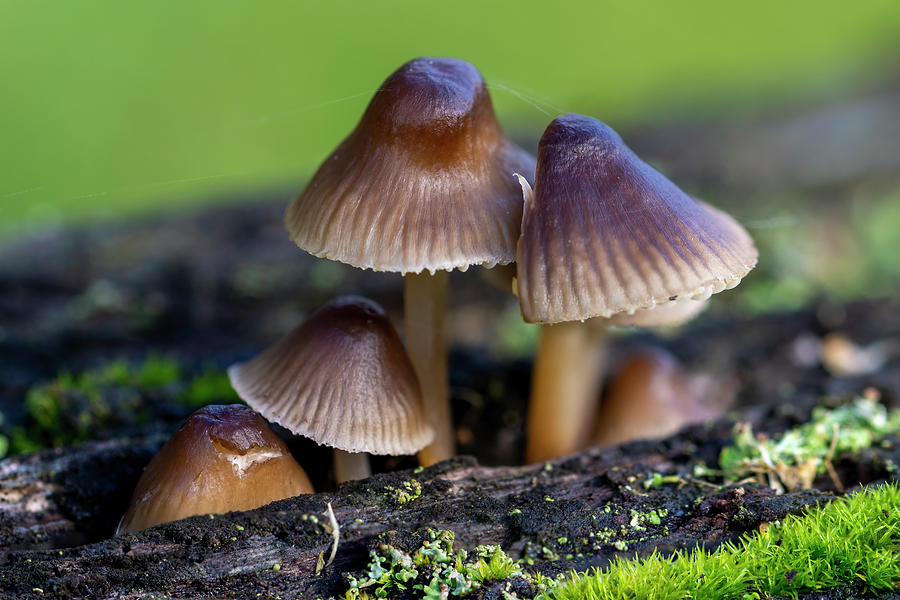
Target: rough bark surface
{"type": "Point", "coordinates": [528, 510]}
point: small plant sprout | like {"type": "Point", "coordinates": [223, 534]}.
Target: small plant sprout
{"type": "Point", "coordinates": [792, 460]}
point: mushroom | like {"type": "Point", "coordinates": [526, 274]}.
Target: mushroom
{"type": "Point", "coordinates": [223, 458]}
{"type": "Point", "coordinates": [604, 234]}
{"type": "Point", "coordinates": [424, 183]}
{"type": "Point", "coordinates": [651, 398]}
{"type": "Point", "coordinates": [343, 379]}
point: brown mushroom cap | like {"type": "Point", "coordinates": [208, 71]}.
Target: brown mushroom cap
{"type": "Point", "coordinates": [223, 458]}
{"type": "Point", "coordinates": [343, 379]}
{"type": "Point", "coordinates": [425, 181]}
{"type": "Point", "coordinates": [606, 233]}
{"type": "Point", "coordinates": [652, 397]}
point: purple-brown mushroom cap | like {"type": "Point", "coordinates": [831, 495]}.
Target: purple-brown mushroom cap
{"type": "Point", "coordinates": [605, 233]}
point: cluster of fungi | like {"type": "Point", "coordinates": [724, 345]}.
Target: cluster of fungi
{"type": "Point", "coordinates": [587, 236]}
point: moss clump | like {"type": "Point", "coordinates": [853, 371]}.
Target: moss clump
{"type": "Point", "coordinates": [434, 571]}
{"type": "Point", "coordinates": [403, 493]}
{"type": "Point", "coordinates": [852, 541]}
{"type": "Point", "coordinates": [793, 459]}
{"type": "Point", "coordinates": [117, 396]}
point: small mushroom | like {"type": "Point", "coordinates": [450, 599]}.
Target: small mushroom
{"type": "Point", "coordinates": [343, 379]}
{"type": "Point", "coordinates": [424, 183]}
{"type": "Point", "coordinates": [606, 235]}
{"type": "Point", "coordinates": [223, 458]}
{"type": "Point", "coordinates": [652, 397]}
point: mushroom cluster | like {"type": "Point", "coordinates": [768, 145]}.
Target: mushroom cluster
{"type": "Point", "coordinates": [588, 236]}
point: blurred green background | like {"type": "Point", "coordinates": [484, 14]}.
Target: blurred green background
{"type": "Point", "coordinates": [114, 108]}
{"type": "Point", "coordinates": [786, 114]}
{"type": "Point", "coordinates": [121, 107]}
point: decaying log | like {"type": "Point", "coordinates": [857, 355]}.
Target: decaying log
{"type": "Point", "coordinates": [52, 499]}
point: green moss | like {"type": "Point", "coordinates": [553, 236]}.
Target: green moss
{"type": "Point", "coordinates": [850, 541]}
{"type": "Point", "coordinates": [792, 459]}
{"type": "Point", "coordinates": [404, 493]}
{"type": "Point", "coordinates": [156, 371]}
{"type": "Point", "coordinates": [209, 387]}
{"type": "Point", "coordinates": [432, 571]}
{"type": "Point", "coordinates": [74, 408]}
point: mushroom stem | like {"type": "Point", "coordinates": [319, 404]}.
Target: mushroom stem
{"type": "Point", "coordinates": [350, 466]}
{"type": "Point", "coordinates": [565, 388]}
{"type": "Point", "coordinates": [425, 301]}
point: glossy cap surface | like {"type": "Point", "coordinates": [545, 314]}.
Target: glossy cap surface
{"type": "Point", "coordinates": [222, 459]}
{"type": "Point", "coordinates": [424, 182]}
{"type": "Point", "coordinates": [343, 379]}
{"type": "Point", "coordinates": [606, 233]}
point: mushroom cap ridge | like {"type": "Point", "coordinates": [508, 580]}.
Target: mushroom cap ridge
{"type": "Point", "coordinates": [606, 233]}
{"type": "Point", "coordinates": [424, 182]}
{"type": "Point", "coordinates": [343, 379]}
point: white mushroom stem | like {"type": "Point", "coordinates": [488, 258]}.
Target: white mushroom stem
{"type": "Point", "coordinates": [350, 466]}
{"type": "Point", "coordinates": [565, 386]}
{"type": "Point", "coordinates": [425, 302]}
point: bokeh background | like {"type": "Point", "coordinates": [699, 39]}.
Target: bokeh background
{"type": "Point", "coordinates": [115, 109]}
{"type": "Point", "coordinates": [784, 113]}
{"type": "Point", "coordinates": [148, 150]}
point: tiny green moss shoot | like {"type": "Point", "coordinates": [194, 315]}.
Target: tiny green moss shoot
{"type": "Point", "coordinates": [855, 540]}
{"type": "Point", "coordinates": [432, 571]}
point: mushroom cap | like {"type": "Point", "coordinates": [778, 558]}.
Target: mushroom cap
{"type": "Point", "coordinates": [223, 458]}
{"type": "Point", "coordinates": [652, 397]}
{"type": "Point", "coordinates": [606, 233]}
{"type": "Point", "coordinates": [343, 379]}
{"type": "Point", "coordinates": [425, 181]}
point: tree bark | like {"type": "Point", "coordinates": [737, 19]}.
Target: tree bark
{"type": "Point", "coordinates": [54, 499]}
